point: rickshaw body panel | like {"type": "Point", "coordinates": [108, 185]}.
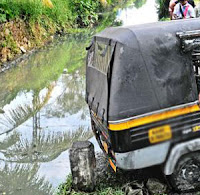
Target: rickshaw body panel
{"type": "Point", "coordinates": [139, 82]}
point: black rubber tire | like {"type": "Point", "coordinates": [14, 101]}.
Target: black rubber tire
{"type": "Point", "coordinates": [186, 176]}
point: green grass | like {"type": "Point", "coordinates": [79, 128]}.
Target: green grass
{"type": "Point", "coordinates": [103, 189]}
{"type": "Point", "coordinates": [34, 10]}
{"type": "Point", "coordinates": [63, 12]}
{"type": "Point", "coordinates": [76, 13]}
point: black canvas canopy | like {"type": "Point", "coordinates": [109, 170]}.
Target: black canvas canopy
{"type": "Point", "coordinates": [139, 69]}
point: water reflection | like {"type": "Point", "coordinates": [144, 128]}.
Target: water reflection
{"type": "Point", "coordinates": [41, 147]}
{"type": "Point", "coordinates": [24, 106]}
{"type": "Point", "coordinates": [44, 113]}
{"type": "Point", "coordinates": [51, 129]}
{"type": "Point", "coordinates": [146, 13]}
{"type": "Point", "coordinates": [22, 179]}
{"type": "Point", "coordinates": [72, 99]}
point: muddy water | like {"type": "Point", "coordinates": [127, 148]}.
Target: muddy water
{"type": "Point", "coordinates": [42, 111]}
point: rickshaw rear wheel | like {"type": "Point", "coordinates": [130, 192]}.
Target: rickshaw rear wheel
{"type": "Point", "coordinates": [186, 176]}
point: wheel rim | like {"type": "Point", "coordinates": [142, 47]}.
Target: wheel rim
{"type": "Point", "coordinates": [190, 171]}
{"type": "Point", "coordinates": [189, 175]}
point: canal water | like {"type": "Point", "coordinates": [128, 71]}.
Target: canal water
{"type": "Point", "coordinates": [43, 110]}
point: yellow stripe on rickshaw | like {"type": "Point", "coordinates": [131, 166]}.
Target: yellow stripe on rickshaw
{"type": "Point", "coordinates": [153, 118]}
{"type": "Point", "coordinates": [113, 165]}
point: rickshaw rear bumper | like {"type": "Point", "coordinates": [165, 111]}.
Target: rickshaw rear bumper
{"type": "Point", "coordinates": [156, 155]}
{"type": "Point", "coordinates": [142, 158]}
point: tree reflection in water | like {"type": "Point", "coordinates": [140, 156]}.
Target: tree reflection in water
{"type": "Point", "coordinates": [9, 141]}
{"type": "Point", "coordinates": [39, 146]}
{"type": "Point", "coordinates": [18, 179]}
{"type": "Point", "coordinates": [72, 100]}
{"type": "Point", "coordinates": [16, 116]}
{"type": "Point", "coordinates": [43, 148]}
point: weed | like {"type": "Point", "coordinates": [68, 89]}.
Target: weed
{"type": "Point", "coordinates": [103, 189]}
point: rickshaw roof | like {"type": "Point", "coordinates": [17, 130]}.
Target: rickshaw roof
{"type": "Point", "coordinates": [147, 69]}
{"type": "Point", "coordinates": [125, 34]}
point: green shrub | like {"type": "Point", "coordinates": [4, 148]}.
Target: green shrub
{"type": "Point", "coordinates": [82, 12]}
{"type": "Point", "coordinates": [64, 13]}
{"type": "Point", "coordinates": [163, 8]}
{"type": "Point", "coordinates": [25, 9]}
{"type": "Point", "coordinates": [85, 11]}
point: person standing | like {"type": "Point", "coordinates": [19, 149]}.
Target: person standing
{"type": "Point", "coordinates": [172, 4]}
{"type": "Point", "coordinates": [183, 10]}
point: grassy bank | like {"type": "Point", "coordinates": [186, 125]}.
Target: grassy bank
{"type": "Point", "coordinates": [28, 24]}
{"type": "Point", "coordinates": [103, 189]}
{"type": "Point", "coordinates": [61, 13]}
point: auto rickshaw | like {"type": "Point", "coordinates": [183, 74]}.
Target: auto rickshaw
{"type": "Point", "coordinates": [142, 86]}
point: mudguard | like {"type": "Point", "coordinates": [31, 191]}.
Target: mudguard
{"type": "Point", "coordinates": [179, 150]}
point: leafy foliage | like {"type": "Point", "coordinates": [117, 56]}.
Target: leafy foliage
{"type": "Point", "coordinates": [62, 12]}
{"type": "Point", "coordinates": [139, 3]}
{"type": "Point", "coordinates": [85, 11]}
{"type": "Point", "coordinates": [76, 13]}
{"type": "Point", "coordinates": [33, 10]}
{"type": "Point", "coordinates": [163, 8]}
